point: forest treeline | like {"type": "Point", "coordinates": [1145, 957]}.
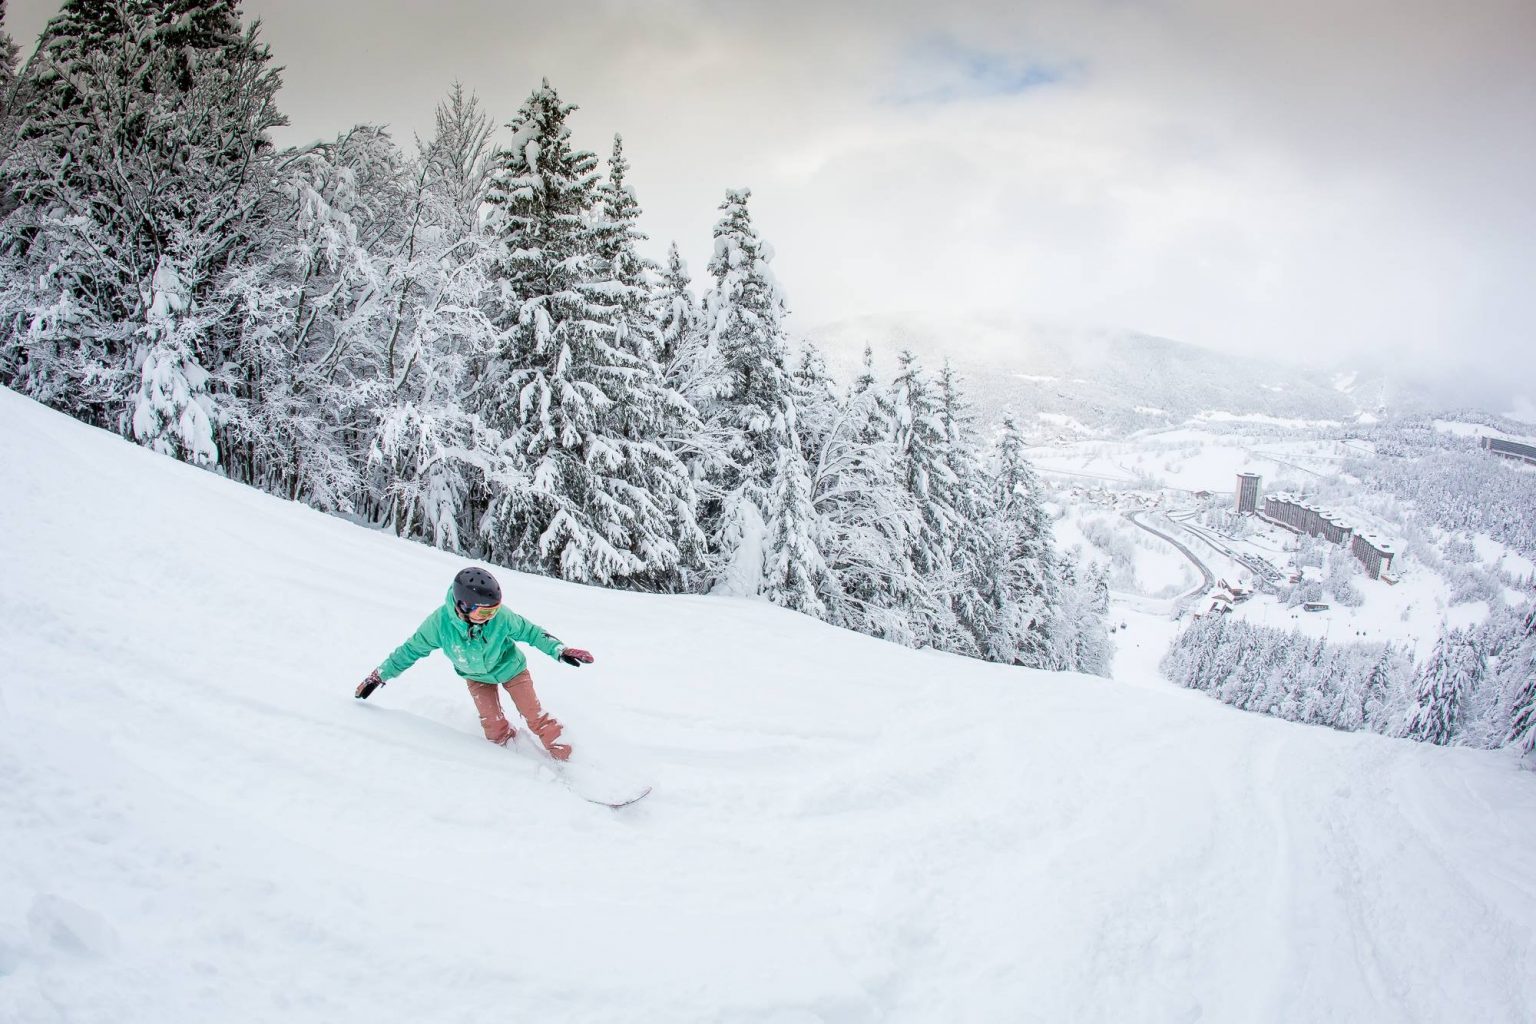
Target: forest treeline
{"type": "Point", "coordinates": [462, 341]}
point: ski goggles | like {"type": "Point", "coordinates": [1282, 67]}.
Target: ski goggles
{"type": "Point", "coordinates": [481, 612]}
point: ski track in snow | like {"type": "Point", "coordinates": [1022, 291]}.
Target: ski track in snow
{"type": "Point", "coordinates": [200, 823]}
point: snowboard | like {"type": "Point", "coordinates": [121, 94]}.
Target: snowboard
{"type": "Point", "coordinates": [594, 785]}
{"type": "Point", "coordinates": [615, 801]}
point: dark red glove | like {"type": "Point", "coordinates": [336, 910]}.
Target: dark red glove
{"type": "Point", "coordinates": [367, 686]}
{"type": "Point", "coordinates": [575, 656]}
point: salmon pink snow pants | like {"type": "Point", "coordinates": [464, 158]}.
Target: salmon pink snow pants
{"type": "Point", "coordinates": [499, 730]}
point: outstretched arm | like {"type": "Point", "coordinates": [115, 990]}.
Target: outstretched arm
{"type": "Point", "coordinates": [537, 636]}
{"type": "Point", "coordinates": [421, 643]}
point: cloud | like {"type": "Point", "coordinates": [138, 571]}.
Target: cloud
{"type": "Point", "coordinates": [941, 69]}
{"type": "Point", "coordinates": [1313, 179]}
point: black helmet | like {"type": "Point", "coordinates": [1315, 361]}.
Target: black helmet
{"type": "Point", "coordinates": [474, 587]}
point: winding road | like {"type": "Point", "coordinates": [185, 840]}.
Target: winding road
{"type": "Point", "coordinates": [1260, 567]}
{"type": "Point", "coordinates": [1205, 570]}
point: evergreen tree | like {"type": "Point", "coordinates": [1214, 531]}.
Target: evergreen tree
{"type": "Point", "coordinates": [681, 339]}
{"type": "Point", "coordinates": [541, 195]}
{"type": "Point", "coordinates": [141, 179]}
{"type": "Point", "coordinates": [815, 399]}
{"type": "Point", "coordinates": [796, 575]}
{"type": "Point", "coordinates": [1289, 676]}
{"type": "Point", "coordinates": [653, 415]}
{"type": "Point", "coordinates": [1453, 671]}
{"type": "Point", "coordinates": [923, 472]}
{"type": "Point", "coordinates": [1378, 692]}
{"type": "Point", "coordinates": [754, 415]}
{"type": "Point", "coordinates": [617, 236]}
{"type": "Point", "coordinates": [979, 601]}
{"type": "Point", "coordinates": [800, 534]}
{"type": "Point", "coordinates": [10, 53]}
{"type": "Point", "coordinates": [1320, 691]}
{"type": "Point", "coordinates": [691, 373]}
{"type": "Point", "coordinates": [744, 319]}
{"type": "Point", "coordinates": [1028, 571]}
{"type": "Point", "coordinates": [1081, 639]}
{"type": "Point", "coordinates": [1245, 675]}
{"type": "Point", "coordinates": [580, 407]}
{"type": "Point", "coordinates": [867, 521]}
{"type": "Point", "coordinates": [1518, 666]}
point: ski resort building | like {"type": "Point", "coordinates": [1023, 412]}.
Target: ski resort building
{"type": "Point", "coordinates": [1247, 493]}
{"type": "Point", "coordinates": [1294, 514]}
{"type": "Point", "coordinates": [1509, 449]}
{"type": "Point", "coordinates": [1374, 553]}
{"type": "Point", "coordinates": [1299, 516]}
{"type": "Point", "coordinates": [1335, 529]}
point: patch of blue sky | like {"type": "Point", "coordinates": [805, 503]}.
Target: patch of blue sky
{"type": "Point", "coordinates": [941, 69]}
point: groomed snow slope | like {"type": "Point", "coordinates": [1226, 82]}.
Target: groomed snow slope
{"type": "Point", "coordinates": [199, 823]}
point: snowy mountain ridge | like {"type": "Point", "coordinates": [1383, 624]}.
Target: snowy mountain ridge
{"type": "Point", "coordinates": [1109, 379]}
{"type": "Point", "coordinates": [201, 823]}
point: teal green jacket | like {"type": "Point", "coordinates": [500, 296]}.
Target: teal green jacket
{"type": "Point", "coordinates": [487, 654]}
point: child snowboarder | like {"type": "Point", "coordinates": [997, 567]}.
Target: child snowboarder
{"type": "Point", "coordinates": [480, 637]}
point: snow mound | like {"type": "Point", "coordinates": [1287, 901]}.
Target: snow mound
{"type": "Point", "coordinates": [199, 821]}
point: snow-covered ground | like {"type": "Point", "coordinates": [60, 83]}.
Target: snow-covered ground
{"type": "Point", "coordinates": [1142, 566]}
{"type": "Point", "coordinates": [1191, 459]}
{"type": "Point", "coordinates": [199, 823]}
{"type": "Point", "coordinates": [1500, 558]}
{"type": "Point", "coordinates": [1222, 416]}
{"type": "Point", "coordinates": [1463, 429]}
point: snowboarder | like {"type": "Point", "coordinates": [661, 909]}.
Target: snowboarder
{"type": "Point", "coordinates": [480, 637]}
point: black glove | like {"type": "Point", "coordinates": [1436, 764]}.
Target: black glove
{"type": "Point", "coordinates": [367, 686]}
{"type": "Point", "coordinates": [575, 656]}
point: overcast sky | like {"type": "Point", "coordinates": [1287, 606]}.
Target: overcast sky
{"type": "Point", "coordinates": [1318, 179]}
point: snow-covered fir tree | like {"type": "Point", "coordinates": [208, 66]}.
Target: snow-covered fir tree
{"type": "Point", "coordinates": [1515, 676]}
{"type": "Point", "coordinates": [1287, 675]}
{"type": "Point", "coordinates": [979, 600]}
{"type": "Point", "coordinates": [920, 460]}
{"type": "Point", "coordinates": [795, 575]}
{"type": "Point", "coordinates": [580, 409]}
{"type": "Point", "coordinates": [744, 323]}
{"type": "Point", "coordinates": [121, 250]}
{"type": "Point", "coordinates": [691, 370]}
{"type": "Point", "coordinates": [1382, 692]}
{"type": "Point", "coordinates": [681, 339]}
{"type": "Point", "coordinates": [816, 401]}
{"type": "Point", "coordinates": [656, 413]}
{"type": "Point", "coordinates": [1081, 641]}
{"type": "Point", "coordinates": [1488, 707]}
{"type": "Point", "coordinates": [1453, 672]}
{"type": "Point", "coordinates": [616, 239]}
{"type": "Point", "coordinates": [866, 520]}
{"type": "Point", "coordinates": [10, 54]}
{"type": "Point", "coordinates": [1028, 568]}
{"type": "Point", "coordinates": [754, 414]}
{"type": "Point", "coordinates": [817, 409]}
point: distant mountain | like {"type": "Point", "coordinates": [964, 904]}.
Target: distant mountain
{"type": "Point", "coordinates": [1103, 379]}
